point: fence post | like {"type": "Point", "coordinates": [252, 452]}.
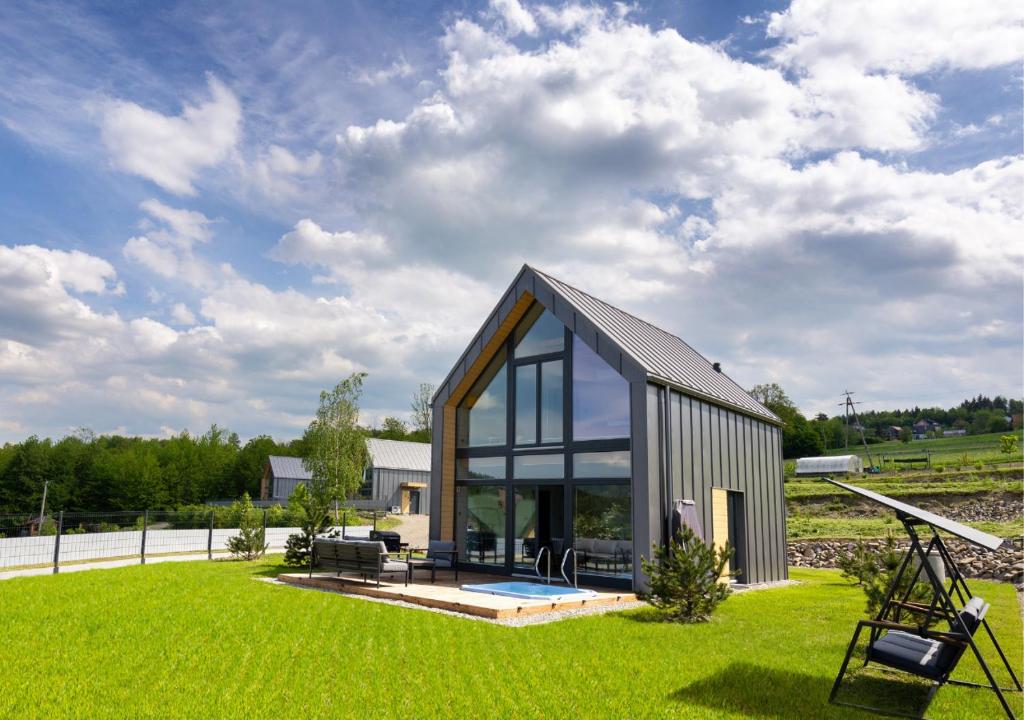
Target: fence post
{"type": "Point", "coordinates": [145, 526]}
{"type": "Point", "coordinates": [209, 539]}
{"type": "Point", "coordinates": [56, 542]}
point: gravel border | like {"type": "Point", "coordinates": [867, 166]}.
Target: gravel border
{"type": "Point", "coordinates": [521, 620]}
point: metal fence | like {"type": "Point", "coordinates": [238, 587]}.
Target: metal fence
{"type": "Point", "coordinates": [82, 537]}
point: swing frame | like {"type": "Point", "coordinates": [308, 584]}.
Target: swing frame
{"type": "Point", "coordinates": [942, 606]}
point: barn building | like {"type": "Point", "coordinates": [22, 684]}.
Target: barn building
{"type": "Point", "coordinates": [397, 475]}
{"type": "Point", "coordinates": [569, 423]}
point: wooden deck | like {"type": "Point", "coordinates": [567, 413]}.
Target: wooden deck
{"type": "Point", "coordinates": [446, 595]}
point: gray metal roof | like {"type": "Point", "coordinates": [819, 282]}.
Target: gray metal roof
{"type": "Point", "coordinates": [288, 467]}
{"type": "Point", "coordinates": [664, 356]}
{"type": "Point", "coordinates": [399, 454]}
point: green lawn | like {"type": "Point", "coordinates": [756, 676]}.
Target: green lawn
{"type": "Point", "coordinates": [203, 639]}
{"type": "Point", "coordinates": [985, 448]}
{"type": "Point", "coordinates": [803, 527]}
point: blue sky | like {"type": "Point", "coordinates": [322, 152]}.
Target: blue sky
{"type": "Point", "coordinates": [211, 213]}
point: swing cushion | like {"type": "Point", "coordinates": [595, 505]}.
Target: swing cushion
{"type": "Point", "coordinates": [915, 654]}
{"type": "Point", "coordinates": [923, 656]}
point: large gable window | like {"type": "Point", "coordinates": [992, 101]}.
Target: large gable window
{"type": "Point", "coordinates": [539, 343]}
{"type": "Point", "coordinates": [540, 333]}
{"type": "Point", "coordinates": [600, 397]}
{"type": "Point", "coordinates": [481, 416]}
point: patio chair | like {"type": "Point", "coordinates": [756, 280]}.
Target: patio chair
{"type": "Point", "coordinates": [440, 554]}
{"type": "Point", "coordinates": [917, 650]}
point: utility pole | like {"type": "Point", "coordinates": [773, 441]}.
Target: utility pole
{"type": "Point", "coordinates": [42, 508]}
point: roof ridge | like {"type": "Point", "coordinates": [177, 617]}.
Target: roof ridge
{"type": "Point", "coordinates": [648, 323]}
{"type": "Point", "coordinates": [696, 353]}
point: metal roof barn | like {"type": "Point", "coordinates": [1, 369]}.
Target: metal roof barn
{"type": "Point", "coordinates": [830, 465]}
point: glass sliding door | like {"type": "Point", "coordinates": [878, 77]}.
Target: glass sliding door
{"type": "Point", "coordinates": [480, 523]}
{"type": "Point", "coordinates": [603, 529]}
{"type": "Point", "coordinates": [525, 528]}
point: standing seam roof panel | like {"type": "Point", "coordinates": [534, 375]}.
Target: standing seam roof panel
{"type": "Point", "coordinates": [663, 354]}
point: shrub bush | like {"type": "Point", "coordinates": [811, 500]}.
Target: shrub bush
{"type": "Point", "coordinates": [685, 578]}
{"type": "Point", "coordinates": [875, 570]}
{"type": "Point", "coordinates": [250, 542]}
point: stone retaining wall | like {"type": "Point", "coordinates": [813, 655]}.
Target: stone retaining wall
{"type": "Point", "coordinates": [1004, 565]}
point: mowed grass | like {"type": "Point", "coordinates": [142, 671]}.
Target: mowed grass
{"type": "Point", "coordinates": [947, 450]}
{"type": "Point", "coordinates": [205, 639]}
{"type": "Point", "coordinates": [804, 527]}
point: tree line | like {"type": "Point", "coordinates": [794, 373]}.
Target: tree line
{"type": "Point", "coordinates": [802, 437]}
{"type": "Point", "coordinates": [102, 473]}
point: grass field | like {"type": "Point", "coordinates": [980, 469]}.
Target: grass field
{"type": "Point", "coordinates": [806, 527]}
{"type": "Point", "coordinates": [949, 451]}
{"type": "Point", "coordinates": [205, 639]}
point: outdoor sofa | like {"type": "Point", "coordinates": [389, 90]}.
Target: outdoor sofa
{"type": "Point", "coordinates": [594, 552]}
{"type": "Point", "coordinates": [365, 557]}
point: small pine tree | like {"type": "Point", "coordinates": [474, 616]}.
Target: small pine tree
{"type": "Point", "coordinates": [312, 522]}
{"type": "Point", "coordinates": [250, 542]}
{"type": "Point", "coordinates": [685, 577]}
{"type": "Point", "coordinates": [875, 571]}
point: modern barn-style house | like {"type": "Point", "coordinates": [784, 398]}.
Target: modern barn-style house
{"type": "Point", "coordinates": [568, 423]}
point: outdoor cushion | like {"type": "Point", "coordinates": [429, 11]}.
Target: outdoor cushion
{"type": "Point", "coordinates": [394, 566]}
{"type": "Point", "coordinates": [585, 545]}
{"type": "Point", "coordinates": [972, 614]}
{"type": "Point", "coordinates": [604, 547]}
{"type": "Point", "coordinates": [442, 547]}
{"type": "Point", "coordinates": [906, 651]}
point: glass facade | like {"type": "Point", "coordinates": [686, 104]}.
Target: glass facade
{"type": "Point", "coordinates": [600, 397]}
{"type": "Point", "coordinates": [551, 402]}
{"type": "Point", "coordinates": [525, 527]}
{"type": "Point", "coordinates": [603, 530]}
{"type": "Point", "coordinates": [480, 523]}
{"type": "Point", "coordinates": [526, 405]}
{"type": "Point", "coordinates": [481, 416]}
{"type": "Point", "coordinates": [480, 468]}
{"type": "Point", "coordinates": [516, 419]}
{"type": "Point", "coordinates": [549, 466]}
{"type": "Point", "coordinates": [612, 464]}
{"type": "Point", "coordinates": [539, 333]}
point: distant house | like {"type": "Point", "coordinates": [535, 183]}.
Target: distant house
{"type": "Point", "coordinates": [892, 432]}
{"type": "Point", "coordinates": [280, 477]}
{"type": "Point", "coordinates": [922, 427]}
{"type": "Point", "coordinates": [397, 475]}
{"type": "Point", "coordinates": [954, 432]}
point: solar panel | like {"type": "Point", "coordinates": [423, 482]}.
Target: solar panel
{"type": "Point", "coordinates": [990, 542]}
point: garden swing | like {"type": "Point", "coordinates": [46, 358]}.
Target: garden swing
{"type": "Point", "coordinates": [913, 647]}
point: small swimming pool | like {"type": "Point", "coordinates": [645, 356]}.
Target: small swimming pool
{"type": "Point", "coordinates": [532, 591]}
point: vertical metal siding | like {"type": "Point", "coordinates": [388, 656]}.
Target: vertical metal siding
{"type": "Point", "coordinates": [640, 486]}
{"type": "Point", "coordinates": [387, 486]}
{"type": "Point", "coordinates": [708, 446]}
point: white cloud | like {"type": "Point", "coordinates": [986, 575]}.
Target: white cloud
{"type": "Point", "coordinates": [276, 171]}
{"type": "Point", "coordinates": [909, 37]}
{"type": "Point", "coordinates": [167, 248]}
{"type": "Point", "coordinates": [172, 150]}
{"type": "Point", "coordinates": [398, 69]}
{"type": "Point", "coordinates": [516, 19]}
{"type": "Point", "coordinates": [184, 227]}
{"type": "Point", "coordinates": [182, 315]}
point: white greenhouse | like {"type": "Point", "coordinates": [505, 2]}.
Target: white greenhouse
{"type": "Point", "coordinates": [830, 465]}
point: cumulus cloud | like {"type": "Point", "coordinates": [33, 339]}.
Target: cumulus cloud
{"type": "Point", "coordinates": [172, 150]}
{"type": "Point", "coordinates": [908, 38]}
{"type": "Point", "coordinates": [167, 248]}
{"type": "Point", "coordinates": [762, 210]}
